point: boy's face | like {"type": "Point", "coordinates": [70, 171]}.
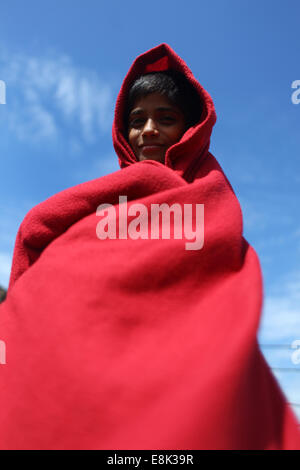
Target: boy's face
{"type": "Point", "coordinates": [155, 124]}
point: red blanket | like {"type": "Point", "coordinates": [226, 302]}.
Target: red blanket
{"type": "Point", "coordinates": [139, 343]}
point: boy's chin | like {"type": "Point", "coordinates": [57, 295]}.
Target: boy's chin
{"type": "Point", "coordinates": [157, 158]}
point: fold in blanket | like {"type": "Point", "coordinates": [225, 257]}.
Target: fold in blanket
{"type": "Point", "coordinates": [139, 343]}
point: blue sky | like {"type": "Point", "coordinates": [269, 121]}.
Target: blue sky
{"type": "Point", "coordinates": [63, 63]}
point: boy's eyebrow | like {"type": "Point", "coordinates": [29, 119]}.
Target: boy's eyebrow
{"type": "Point", "coordinates": [160, 108]}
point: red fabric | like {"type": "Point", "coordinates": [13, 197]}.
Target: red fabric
{"type": "Point", "coordinates": [139, 344]}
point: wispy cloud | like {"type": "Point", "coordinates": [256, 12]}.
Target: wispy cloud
{"type": "Point", "coordinates": [280, 326]}
{"type": "Point", "coordinates": [286, 371]}
{"type": "Point", "coordinates": [281, 315]}
{"type": "Point", "coordinates": [5, 267]}
{"type": "Point", "coordinates": [47, 95]}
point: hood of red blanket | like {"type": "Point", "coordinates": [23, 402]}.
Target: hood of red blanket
{"type": "Point", "coordinates": [185, 156]}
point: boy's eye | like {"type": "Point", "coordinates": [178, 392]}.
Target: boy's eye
{"type": "Point", "coordinates": [163, 119]}
{"type": "Point", "coordinates": [136, 122]}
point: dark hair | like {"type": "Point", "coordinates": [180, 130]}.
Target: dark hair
{"type": "Point", "coordinates": [172, 84]}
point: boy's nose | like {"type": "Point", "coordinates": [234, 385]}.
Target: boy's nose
{"type": "Point", "coordinates": [150, 127]}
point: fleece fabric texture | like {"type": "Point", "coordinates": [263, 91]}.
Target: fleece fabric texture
{"type": "Point", "coordinates": [139, 343]}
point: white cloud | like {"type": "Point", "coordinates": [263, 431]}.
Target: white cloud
{"type": "Point", "coordinates": [34, 123]}
{"type": "Point", "coordinates": [48, 94]}
{"type": "Point", "coordinates": [281, 313]}
{"type": "Point", "coordinates": [290, 384]}
{"type": "Point", "coordinates": [280, 326]}
{"type": "Point", "coordinates": [5, 267]}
